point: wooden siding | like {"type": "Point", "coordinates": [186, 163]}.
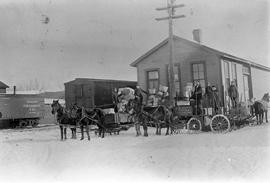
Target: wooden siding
{"type": "Point", "coordinates": [2, 90]}
{"type": "Point", "coordinates": [185, 55]}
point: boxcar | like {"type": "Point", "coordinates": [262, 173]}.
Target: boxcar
{"type": "Point", "coordinates": [20, 110]}
{"type": "Point", "coordinates": [93, 92]}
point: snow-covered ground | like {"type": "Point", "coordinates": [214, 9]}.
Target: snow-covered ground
{"type": "Point", "coordinates": [37, 155]}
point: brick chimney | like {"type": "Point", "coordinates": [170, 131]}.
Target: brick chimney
{"type": "Point", "coordinates": [197, 33]}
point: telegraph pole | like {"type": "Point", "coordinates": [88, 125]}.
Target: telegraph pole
{"type": "Point", "coordinates": [171, 10]}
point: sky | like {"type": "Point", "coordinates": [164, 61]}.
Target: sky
{"type": "Point", "coordinates": [100, 38]}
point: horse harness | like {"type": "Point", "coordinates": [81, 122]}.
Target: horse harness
{"type": "Point", "coordinates": [91, 118]}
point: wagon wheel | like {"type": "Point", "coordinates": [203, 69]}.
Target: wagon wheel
{"type": "Point", "coordinates": [22, 124]}
{"type": "Point", "coordinates": [34, 123]}
{"type": "Point", "coordinates": [194, 124]}
{"type": "Point", "coordinates": [220, 123]}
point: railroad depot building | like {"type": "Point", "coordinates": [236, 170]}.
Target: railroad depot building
{"type": "Point", "coordinates": [194, 61]}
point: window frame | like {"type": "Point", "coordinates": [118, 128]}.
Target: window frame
{"type": "Point", "coordinates": [204, 72]}
{"type": "Point", "coordinates": [147, 77]}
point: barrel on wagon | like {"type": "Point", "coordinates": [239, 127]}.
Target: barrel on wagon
{"type": "Point", "coordinates": [20, 110]}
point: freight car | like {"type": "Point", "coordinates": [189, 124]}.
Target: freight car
{"type": "Point", "coordinates": [20, 110]}
{"type": "Point", "coordinates": [91, 93]}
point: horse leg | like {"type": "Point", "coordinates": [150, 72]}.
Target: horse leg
{"type": "Point", "coordinates": [266, 116]}
{"type": "Point", "coordinates": [137, 128]}
{"type": "Point", "coordinates": [156, 129]}
{"type": "Point", "coordinates": [168, 128]}
{"type": "Point", "coordinates": [75, 132]}
{"type": "Point", "coordinates": [260, 118]}
{"type": "Point", "coordinates": [65, 133]}
{"type": "Point", "coordinates": [99, 131]}
{"type": "Point", "coordinates": [102, 132]}
{"type": "Point", "coordinates": [159, 129]}
{"type": "Point", "coordinates": [72, 133]}
{"type": "Point", "coordinates": [87, 131]}
{"type": "Point", "coordinates": [82, 136]}
{"type": "Point", "coordinates": [145, 130]}
{"type": "Point", "coordinates": [257, 118]}
{"type": "Point", "coordinates": [61, 132]}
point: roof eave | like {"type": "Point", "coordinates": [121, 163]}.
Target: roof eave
{"type": "Point", "coordinates": [134, 64]}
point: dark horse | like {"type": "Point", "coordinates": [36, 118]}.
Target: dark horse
{"type": "Point", "coordinates": [85, 118]}
{"type": "Point", "coordinates": [260, 107]}
{"type": "Point", "coordinates": [159, 115]}
{"type": "Point", "coordinates": [65, 119]}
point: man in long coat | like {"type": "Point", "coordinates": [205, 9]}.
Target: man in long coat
{"type": "Point", "coordinates": [233, 94]}
{"type": "Point", "coordinates": [197, 93]}
{"type": "Point", "coordinates": [138, 94]}
{"type": "Point", "coordinates": [197, 96]}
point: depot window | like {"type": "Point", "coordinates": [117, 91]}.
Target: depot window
{"type": "Point", "coordinates": [153, 79]}
{"type": "Point", "coordinates": [198, 73]}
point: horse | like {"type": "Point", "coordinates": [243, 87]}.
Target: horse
{"type": "Point", "coordinates": [88, 117]}
{"type": "Point", "coordinates": [133, 107]}
{"type": "Point", "coordinates": [64, 119]}
{"type": "Point", "coordinates": [260, 108]}
{"type": "Point", "coordinates": [160, 115]}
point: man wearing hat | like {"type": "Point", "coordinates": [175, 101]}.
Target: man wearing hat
{"type": "Point", "coordinates": [233, 94]}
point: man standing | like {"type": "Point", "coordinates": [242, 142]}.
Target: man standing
{"type": "Point", "coordinates": [233, 94]}
{"type": "Point", "coordinates": [197, 96]}
{"type": "Point", "coordinates": [138, 94]}
{"type": "Point", "coordinates": [115, 99]}
{"type": "Point", "coordinates": [197, 93]}
{"type": "Point", "coordinates": [209, 95]}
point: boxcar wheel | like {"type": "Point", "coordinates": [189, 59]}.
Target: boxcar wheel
{"type": "Point", "coordinates": [220, 123]}
{"type": "Point", "coordinates": [194, 124]}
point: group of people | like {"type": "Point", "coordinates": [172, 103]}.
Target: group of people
{"type": "Point", "coordinates": [211, 95]}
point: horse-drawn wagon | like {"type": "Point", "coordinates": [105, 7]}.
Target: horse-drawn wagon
{"type": "Point", "coordinates": [187, 115]}
{"type": "Point", "coordinates": [241, 115]}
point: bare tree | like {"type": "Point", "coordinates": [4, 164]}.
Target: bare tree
{"type": "Point", "coordinates": [33, 84]}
